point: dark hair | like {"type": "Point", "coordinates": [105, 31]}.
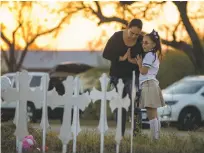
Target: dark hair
{"type": "Point", "coordinates": [154, 36]}
{"type": "Point", "coordinates": [135, 23]}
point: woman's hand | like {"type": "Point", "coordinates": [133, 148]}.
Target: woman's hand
{"type": "Point", "coordinates": [123, 58]}
{"type": "Point", "coordinates": [131, 60]}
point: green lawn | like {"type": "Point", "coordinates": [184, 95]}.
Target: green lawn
{"type": "Point", "coordinates": [91, 123]}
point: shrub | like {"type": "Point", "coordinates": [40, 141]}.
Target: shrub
{"type": "Point", "coordinates": [174, 66]}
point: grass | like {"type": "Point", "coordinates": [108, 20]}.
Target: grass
{"type": "Point", "coordinates": [89, 142]}
{"type": "Point", "coordinates": [89, 123]}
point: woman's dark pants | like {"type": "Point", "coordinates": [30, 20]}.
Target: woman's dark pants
{"type": "Point", "coordinates": [137, 113]}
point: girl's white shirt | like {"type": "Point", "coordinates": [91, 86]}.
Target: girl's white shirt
{"type": "Point", "coordinates": [150, 60]}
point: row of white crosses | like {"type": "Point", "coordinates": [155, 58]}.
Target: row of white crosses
{"type": "Point", "coordinates": [22, 93]}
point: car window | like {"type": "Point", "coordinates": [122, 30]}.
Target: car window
{"type": "Point", "coordinates": [35, 81]}
{"type": "Point", "coordinates": [184, 87]}
{"type": "Point", "coordinates": [10, 77]}
{"type": "Point", "coordinates": [72, 68]}
{"type": "Point", "coordinates": [12, 81]}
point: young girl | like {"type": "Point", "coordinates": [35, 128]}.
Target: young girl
{"type": "Point", "coordinates": [151, 96]}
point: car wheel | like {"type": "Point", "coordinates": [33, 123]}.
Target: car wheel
{"type": "Point", "coordinates": [31, 113]}
{"type": "Point", "coordinates": [189, 119]}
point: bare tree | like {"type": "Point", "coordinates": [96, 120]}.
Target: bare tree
{"type": "Point", "coordinates": [30, 27]}
{"type": "Point", "coordinates": [149, 11]}
{"type": "Point", "coordinates": [126, 10]}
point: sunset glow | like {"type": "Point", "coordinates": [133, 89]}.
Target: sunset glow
{"type": "Point", "coordinates": [76, 34]}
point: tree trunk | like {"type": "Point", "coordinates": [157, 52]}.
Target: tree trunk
{"type": "Point", "coordinates": [197, 47]}
{"type": "Point", "coordinates": [22, 57]}
{"type": "Point", "coordinates": [12, 59]}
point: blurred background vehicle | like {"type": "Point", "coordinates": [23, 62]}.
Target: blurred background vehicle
{"type": "Point", "coordinates": [33, 109]}
{"type": "Point", "coordinates": [184, 103]}
{"type": "Point", "coordinates": [57, 75]}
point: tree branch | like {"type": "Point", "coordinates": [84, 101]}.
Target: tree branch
{"type": "Point", "coordinates": [126, 2]}
{"type": "Point", "coordinates": [188, 49]}
{"type": "Point", "coordinates": [104, 19]}
{"type": "Point", "coordinates": [196, 17]}
{"type": "Point", "coordinates": [19, 25]}
{"type": "Point", "coordinates": [5, 39]}
{"type": "Point", "coordinates": [130, 11]}
{"type": "Point", "coordinates": [13, 46]}
{"type": "Point", "coordinates": [197, 47]}
{"type": "Point", "coordinates": [114, 19]}
{"type": "Point", "coordinates": [98, 8]}
{"type": "Point", "coordinates": [146, 10]}
{"type": "Point", "coordinates": [17, 28]}
{"type": "Point", "coordinates": [175, 29]}
{"type": "Point", "coordinates": [24, 52]}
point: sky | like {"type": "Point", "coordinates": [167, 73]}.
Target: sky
{"type": "Point", "coordinates": [80, 31]}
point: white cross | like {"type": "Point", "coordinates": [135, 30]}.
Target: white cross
{"type": "Point", "coordinates": [103, 96]}
{"type": "Point", "coordinates": [45, 94]}
{"type": "Point", "coordinates": [44, 120]}
{"type": "Point", "coordinates": [76, 124]}
{"type": "Point", "coordinates": [68, 100]}
{"type": "Point", "coordinates": [119, 102]}
{"type": "Point", "coordinates": [23, 95]}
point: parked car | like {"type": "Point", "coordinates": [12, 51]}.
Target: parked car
{"type": "Point", "coordinates": [8, 108]}
{"type": "Point", "coordinates": [60, 72]}
{"type": "Point", "coordinates": [184, 103]}
{"type": "Point", "coordinates": [34, 109]}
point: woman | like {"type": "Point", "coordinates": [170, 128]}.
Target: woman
{"type": "Point", "coordinates": [120, 50]}
{"type": "Point", "coordinates": [151, 96]}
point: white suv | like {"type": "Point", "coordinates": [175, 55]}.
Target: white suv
{"type": "Point", "coordinates": [8, 109]}
{"type": "Point", "coordinates": [184, 103]}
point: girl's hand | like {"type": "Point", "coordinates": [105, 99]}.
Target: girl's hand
{"type": "Point", "coordinates": [139, 60]}
{"type": "Point", "coordinates": [132, 60]}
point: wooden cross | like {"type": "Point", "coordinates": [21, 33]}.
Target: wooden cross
{"type": "Point", "coordinates": [119, 103]}
{"type": "Point", "coordinates": [68, 101]}
{"type": "Point", "coordinates": [76, 124]}
{"type": "Point", "coordinates": [44, 120]}
{"type": "Point", "coordinates": [23, 95]}
{"type": "Point", "coordinates": [103, 96]}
